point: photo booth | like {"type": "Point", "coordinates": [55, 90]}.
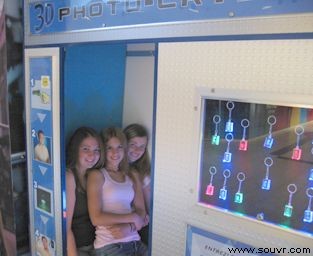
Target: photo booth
{"type": "Point", "coordinates": [224, 90]}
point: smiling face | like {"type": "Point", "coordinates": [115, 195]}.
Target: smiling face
{"type": "Point", "coordinates": [136, 148]}
{"type": "Point", "coordinates": [89, 153]}
{"type": "Point", "coordinates": [114, 153]}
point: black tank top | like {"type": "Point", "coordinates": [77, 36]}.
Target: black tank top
{"type": "Point", "coordinates": [84, 231]}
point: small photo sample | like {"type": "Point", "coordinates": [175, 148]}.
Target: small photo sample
{"type": "Point", "coordinates": [41, 93]}
{"type": "Point", "coordinates": [44, 246]}
{"type": "Point", "coordinates": [42, 147]}
{"type": "Point", "coordinates": [43, 200]}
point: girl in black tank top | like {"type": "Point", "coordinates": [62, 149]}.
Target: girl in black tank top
{"type": "Point", "coordinates": [83, 152]}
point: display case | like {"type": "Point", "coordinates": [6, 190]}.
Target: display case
{"type": "Point", "coordinates": [257, 160]}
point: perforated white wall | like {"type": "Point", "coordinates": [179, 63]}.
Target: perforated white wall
{"type": "Point", "coordinates": [278, 66]}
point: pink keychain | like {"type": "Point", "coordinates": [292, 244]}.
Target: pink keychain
{"type": "Point", "coordinates": [297, 151]}
{"type": "Point", "coordinates": [243, 144]}
{"type": "Point", "coordinates": [210, 187]}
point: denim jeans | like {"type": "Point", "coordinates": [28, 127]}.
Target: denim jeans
{"type": "Point", "coordinates": [133, 248]}
{"type": "Point", "coordinates": [85, 251]}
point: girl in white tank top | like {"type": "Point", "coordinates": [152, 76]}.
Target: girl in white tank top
{"type": "Point", "coordinates": [115, 198]}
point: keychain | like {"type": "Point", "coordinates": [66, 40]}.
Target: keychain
{"type": "Point", "coordinates": [266, 182]}
{"type": "Point", "coordinates": [311, 175]}
{"type": "Point", "coordinates": [268, 142]}
{"type": "Point", "coordinates": [243, 144]}
{"type": "Point", "coordinates": [210, 187]}
{"type": "Point", "coordinates": [308, 214]}
{"type": "Point", "coordinates": [311, 170]}
{"type": "Point", "coordinates": [223, 190]}
{"type": "Point", "coordinates": [229, 124]}
{"type": "Point", "coordinates": [216, 137]}
{"type": "Point", "coordinates": [239, 196]}
{"type": "Point", "coordinates": [227, 155]}
{"type": "Point", "coordinates": [297, 151]}
{"type": "Point", "coordinates": [292, 188]}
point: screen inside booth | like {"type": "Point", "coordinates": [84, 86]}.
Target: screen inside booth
{"type": "Point", "coordinates": [257, 161]}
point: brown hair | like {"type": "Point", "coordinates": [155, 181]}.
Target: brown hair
{"type": "Point", "coordinates": [72, 150]}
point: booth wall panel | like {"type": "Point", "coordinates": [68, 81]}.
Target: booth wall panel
{"type": "Point", "coordinates": [94, 86]}
{"type": "Point", "coordinates": [138, 91]}
{"type": "Point", "coordinates": [273, 66]}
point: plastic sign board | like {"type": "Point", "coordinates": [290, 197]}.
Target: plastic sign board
{"type": "Point", "coordinates": [43, 138]}
{"type": "Point", "coordinates": [65, 15]}
{"type": "Point", "coordinates": [203, 243]}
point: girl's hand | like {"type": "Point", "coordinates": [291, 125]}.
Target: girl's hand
{"type": "Point", "coordinates": [138, 221]}
{"type": "Point", "coordinates": [146, 220]}
{"type": "Point", "coordinates": [119, 231]}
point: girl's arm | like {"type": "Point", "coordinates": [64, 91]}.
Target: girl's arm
{"type": "Point", "coordinates": [95, 181]}
{"type": "Point", "coordinates": [138, 202]}
{"type": "Point", "coordinates": [70, 203]}
{"type": "Point", "coordinates": [147, 192]}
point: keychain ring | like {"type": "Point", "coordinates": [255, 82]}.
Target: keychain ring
{"type": "Point", "coordinates": [271, 120]}
{"type": "Point", "coordinates": [226, 173]}
{"type": "Point", "coordinates": [230, 105]}
{"type": "Point", "coordinates": [299, 130]}
{"type": "Point", "coordinates": [245, 121]}
{"type": "Point", "coordinates": [241, 176]}
{"type": "Point", "coordinates": [268, 161]}
{"type": "Point", "coordinates": [216, 119]}
{"type": "Point", "coordinates": [212, 170]}
{"type": "Point", "coordinates": [229, 137]}
{"type": "Point", "coordinates": [308, 192]}
{"type": "Point", "coordinates": [292, 188]}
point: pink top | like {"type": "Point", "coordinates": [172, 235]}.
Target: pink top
{"type": "Point", "coordinates": [116, 198]}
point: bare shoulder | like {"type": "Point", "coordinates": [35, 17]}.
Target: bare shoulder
{"type": "Point", "coordinates": [95, 176]}
{"type": "Point", "coordinates": [70, 179]}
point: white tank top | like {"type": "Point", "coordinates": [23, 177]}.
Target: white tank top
{"type": "Point", "coordinates": [116, 198]}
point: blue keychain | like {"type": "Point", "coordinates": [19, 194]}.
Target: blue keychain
{"type": "Point", "coordinates": [308, 214]}
{"type": "Point", "coordinates": [266, 182]}
{"type": "Point", "coordinates": [268, 142]}
{"type": "Point", "coordinates": [229, 127]}
{"type": "Point", "coordinates": [311, 175]}
{"type": "Point", "coordinates": [227, 155]}
{"type": "Point", "coordinates": [223, 190]}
